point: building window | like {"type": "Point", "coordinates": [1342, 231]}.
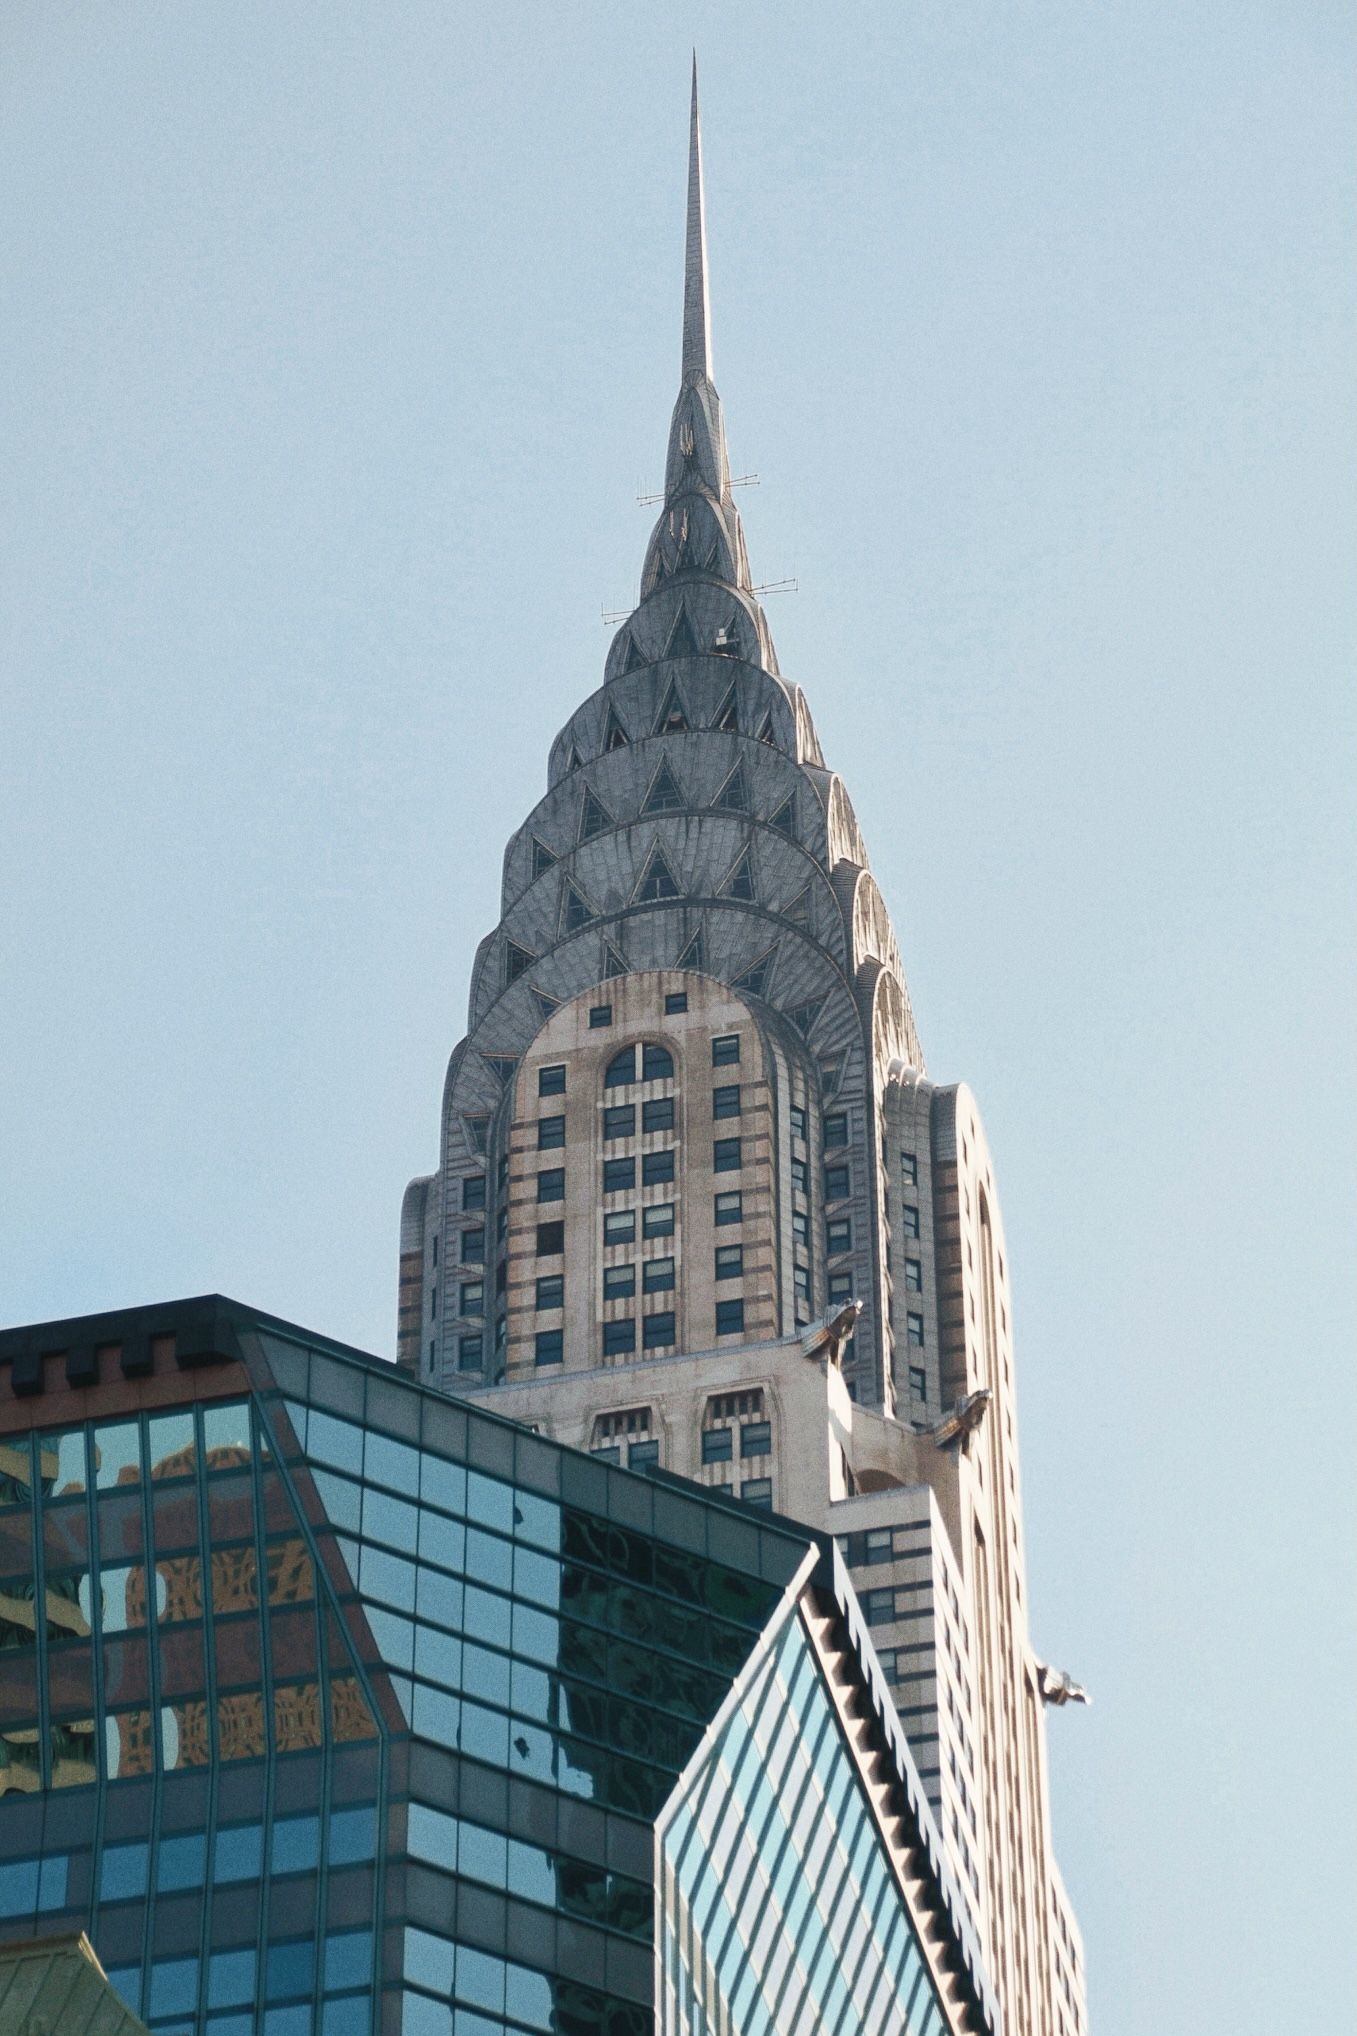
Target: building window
{"type": "Point", "coordinates": [502, 1170]}
{"type": "Point", "coordinates": [876, 1544]}
{"type": "Point", "coordinates": [910, 1217]}
{"type": "Point", "coordinates": [619, 1338]}
{"type": "Point", "coordinates": [620, 1072]}
{"type": "Point", "coordinates": [914, 1325]}
{"type": "Point", "coordinates": [726, 1102]}
{"type": "Point", "coordinates": [800, 1226]}
{"type": "Point", "coordinates": [676, 1001]}
{"type": "Point", "coordinates": [837, 1186]}
{"type": "Point", "coordinates": [551, 1184]}
{"type": "Point", "coordinates": [473, 1247]}
{"type": "Point", "coordinates": [800, 1177]}
{"type": "Point", "coordinates": [836, 1130]}
{"type": "Point", "coordinates": [729, 1261]}
{"type": "Point", "coordinates": [802, 1281]}
{"type": "Point", "coordinates": [550, 1240]}
{"type": "Point", "coordinates": [549, 1346]}
{"type": "Point", "coordinates": [608, 1452]}
{"type": "Point", "coordinates": [909, 1168]}
{"type": "Point", "coordinates": [658, 1114]}
{"type": "Point", "coordinates": [501, 1225]}
{"type": "Point", "coordinates": [878, 1607]}
{"type": "Point", "coordinates": [619, 1121]}
{"type": "Point", "coordinates": [473, 1297]}
{"type": "Point", "coordinates": [657, 1330]}
{"type": "Point", "coordinates": [599, 1016]}
{"type": "Point", "coordinates": [620, 1227]}
{"type": "Point", "coordinates": [725, 1156]}
{"type": "Point", "coordinates": [797, 1118]}
{"type": "Point", "coordinates": [717, 1445]}
{"type": "Point", "coordinates": [757, 1492]}
{"type": "Point", "coordinates": [550, 1133]}
{"type": "Point", "coordinates": [918, 1383]}
{"type": "Point", "coordinates": [839, 1234]}
{"type": "Point", "coordinates": [657, 1064]}
{"type": "Point", "coordinates": [840, 1287]}
{"type": "Point", "coordinates": [756, 1438]}
{"type": "Point", "coordinates": [729, 1209]}
{"type": "Point", "coordinates": [639, 1453]}
{"type": "Point", "coordinates": [473, 1191]}
{"type": "Point", "coordinates": [658, 1221]}
{"type": "Point", "coordinates": [914, 1275]}
{"type": "Point", "coordinates": [657, 1275]}
{"type": "Point", "coordinates": [618, 1176]}
{"type": "Point", "coordinates": [551, 1292]}
{"type": "Point", "coordinates": [551, 1080]}
{"type": "Point", "coordinates": [656, 1168]}
{"type": "Point", "coordinates": [469, 1350]}
{"type": "Point", "coordinates": [725, 1050]}
{"type": "Point", "coordinates": [729, 1318]}
{"type": "Point", "coordinates": [619, 1282]}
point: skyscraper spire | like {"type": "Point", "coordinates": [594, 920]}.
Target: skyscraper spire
{"type": "Point", "coordinates": [696, 315]}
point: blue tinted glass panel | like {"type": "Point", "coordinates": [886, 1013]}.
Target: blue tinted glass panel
{"type": "Point", "coordinates": [123, 1871]}
{"type": "Point", "coordinates": [296, 1844]}
{"type": "Point", "coordinates": [352, 1835]}
{"type": "Point", "coordinates": [230, 1978]}
{"type": "Point", "coordinates": [182, 1862]}
{"type": "Point", "coordinates": [334, 1442]}
{"type": "Point", "coordinates": [239, 1853]}
{"type": "Point", "coordinates": [174, 1987]}
{"type": "Point", "coordinates": [348, 1960]}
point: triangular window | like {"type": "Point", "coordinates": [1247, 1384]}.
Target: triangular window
{"type": "Point", "coordinates": [740, 882]}
{"type": "Point", "coordinates": [733, 796]}
{"type": "Point", "coordinates": [785, 818]}
{"type": "Point", "coordinates": [755, 977]}
{"type": "Point", "coordinates": [671, 719]}
{"type": "Point", "coordinates": [503, 1065]}
{"type": "Point", "coordinates": [614, 734]}
{"type": "Point", "coordinates": [726, 718]}
{"type": "Point", "coordinates": [726, 642]}
{"type": "Point", "coordinates": [614, 962]}
{"type": "Point", "coordinates": [657, 881]}
{"type": "Point", "coordinates": [542, 857]}
{"type": "Point", "coordinates": [477, 1131]}
{"type": "Point", "coordinates": [693, 955]}
{"type": "Point", "coordinates": [766, 731]}
{"type": "Point", "coordinates": [575, 910]}
{"type": "Point", "coordinates": [682, 642]}
{"type": "Point", "coordinates": [516, 959]}
{"type": "Point", "coordinates": [798, 912]}
{"type": "Point", "coordinates": [545, 1004]}
{"type": "Point", "coordinates": [574, 760]}
{"type": "Point", "coordinates": [805, 1015]}
{"type": "Point", "coordinates": [664, 795]}
{"type": "Point", "coordinates": [635, 657]}
{"type": "Point", "coordinates": [594, 818]}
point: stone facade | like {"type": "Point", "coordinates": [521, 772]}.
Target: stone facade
{"type": "Point", "coordinates": [698, 1205]}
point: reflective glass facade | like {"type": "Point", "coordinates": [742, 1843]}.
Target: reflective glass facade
{"type": "Point", "coordinates": [329, 1705]}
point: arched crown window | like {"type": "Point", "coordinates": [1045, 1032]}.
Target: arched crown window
{"type": "Point", "coordinates": [621, 1069]}
{"type": "Point", "coordinates": [657, 1065]}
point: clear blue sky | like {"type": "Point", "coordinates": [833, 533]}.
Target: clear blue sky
{"type": "Point", "coordinates": [335, 343]}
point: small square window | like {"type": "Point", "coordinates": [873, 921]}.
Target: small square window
{"type": "Point", "coordinates": [619, 1282]}
{"type": "Point", "coordinates": [800, 1177]}
{"type": "Point", "coordinates": [620, 1227]}
{"type": "Point", "coordinates": [756, 1438]}
{"type": "Point", "coordinates": [757, 1492]}
{"type": "Point", "coordinates": [725, 1156]}
{"type": "Point", "coordinates": [619, 1121]}
{"type": "Point", "coordinates": [839, 1234]}
{"type": "Point", "coordinates": [469, 1353]}
{"type": "Point", "coordinates": [837, 1184]}
{"type": "Point", "coordinates": [800, 1226]}
{"type": "Point", "coordinates": [726, 1102]}
{"type": "Point", "coordinates": [729, 1318]}
{"type": "Point", "coordinates": [643, 1452]}
{"type": "Point", "coordinates": [550, 1239]}
{"type": "Point", "coordinates": [914, 1275]}
{"type": "Point", "coordinates": [473, 1191]}
{"type": "Point", "coordinates": [803, 1281]}
{"type": "Point", "coordinates": [729, 1261]}
{"type": "Point", "coordinates": [657, 1167]}
{"type": "Point", "coordinates": [658, 1221]}
{"type": "Point", "coordinates": [914, 1325]}
{"type": "Point", "coordinates": [878, 1607]}
{"type": "Point", "coordinates": [551, 1184]}
{"type": "Point", "coordinates": [725, 1049]}
{"type": "Point", "coordinates": [910, 1217]}
{"type": "Point", "coordinates": [473, 1247]}
{"type": "Point", "coordinates": [796, 1117]}
{"type": "Point", "coordinates": [909, 1168]}
{"type": "Point", "coordinates": [549, 1346]}
{"type": "Point", "coordinates": [840, 1287]}
{"type": "Point", "coordinates": [551, 1292]}
{"type": "Point", "coordinates": [836, 1130]}
{"type": "Point", "coordinates": [551, 1080]}
{"type": "Point", "coordinates": [658, 1330]}
{"type": "Point", "coordinates": [658, 1114]}
{"type": "Point", "coordinates": [718, 1445]}
{"type": "Point", "coordinates": [550, 1133]}
{"type": "Point", "coordinates": [599, 1016]}
{"type": "Point", "coordinates": [676, 1001]}
{"type": "Point", "coordinates": [729, 1209]}
{"type": "Point", "coordinates": [618, 1176]}
{"type": "Point", "coordinates": [473, 1296]}
{"type": "Point", "coordinates": [657, 1275]}
{"type": "Point", "coordinates": [619, 1338]}
{"type": "Point", "coordinates": [918, 1383]}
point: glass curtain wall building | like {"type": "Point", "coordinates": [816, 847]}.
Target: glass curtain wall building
{"type": "Point", "coordinates": [329, 1705]}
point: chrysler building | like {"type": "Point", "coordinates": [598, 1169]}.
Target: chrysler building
{"type": "Point", "coordinates": [698, 1205]}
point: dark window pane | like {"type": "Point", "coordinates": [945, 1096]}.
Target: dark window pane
{"type": "Point", "coordinates": [473, 1191]}
{"type": "Point", "coordinates": [618, 1176]}
{"type": "Point", "coordinates": [551, 1080]}
{"type": "Point", "coordinates": [550, 1133]}
{"type": "Point", "coordinates": [729, 1317]}
{"type": "Point", "coordinates": [726, 1156]}
{"type": "Point", "coordinates": [717, 1445]}
{"type": "Point", "coordinates": [726, 1102]}
{"type": "Point", "coordinates": [658, 1114]}
{"type": "Point", "coordinates": [725, 1050]}
{"type": "Point", "coordinates": [656, 1168]}
{"type": "Point", "coordinates": [550, 1240]}
{"type": "Point", "coordinates": [551, 1184]}
{"type": "Point", "coordinates": [620, 1072]}
{"type": "Point", "coordinates": [619, 1120]}
{"type": "Point", "coordinates": [658, 1330]}
{"type": "Point", "coordinates": [658, 1221]}
{"type": "Point", "coordinates": [657, 1064]}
